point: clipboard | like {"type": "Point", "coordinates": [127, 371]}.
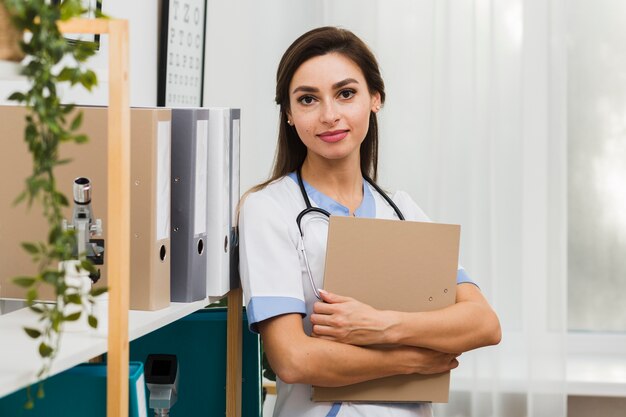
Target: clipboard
{"type": "Point", "coordinates": [392, 265]}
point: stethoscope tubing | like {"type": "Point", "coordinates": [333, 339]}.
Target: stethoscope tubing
{"type": "Point", "coordinates": [325, 213]}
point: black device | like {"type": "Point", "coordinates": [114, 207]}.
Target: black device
{"type": "Point", "coordinates": [161, 374]}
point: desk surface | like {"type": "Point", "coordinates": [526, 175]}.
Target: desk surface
{"type": "Point", "coordinates": [19, 358]}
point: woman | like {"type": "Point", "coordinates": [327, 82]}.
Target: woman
{"type": "Point", "coordinates": [329, 90]}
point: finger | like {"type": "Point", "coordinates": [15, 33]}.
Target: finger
{"type": "Point", "coordinates": [330, 297]}
{"type": "Point", "coordinates": [323, 331]}
{"type": "Point", "coordinates": [321, 319]}
{"type": "Point", "coordinates": [324, 308]}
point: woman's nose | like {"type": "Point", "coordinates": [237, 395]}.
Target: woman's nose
{"type": "Point", "coordinates": [329, 114]}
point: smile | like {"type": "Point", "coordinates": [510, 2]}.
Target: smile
{"type": "Point", "coordinates": [333, 136]}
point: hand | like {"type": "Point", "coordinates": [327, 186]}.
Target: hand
{"type": "Point", "coordinates": [426, 361]}
{"type": "Point", "coordinates": [346, 320]}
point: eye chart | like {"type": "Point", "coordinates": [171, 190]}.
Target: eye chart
{"type": "Point", "coordinates": [181, 60]}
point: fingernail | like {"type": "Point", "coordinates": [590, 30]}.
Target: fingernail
{"type": "Point", "coordinates": [321, 291]}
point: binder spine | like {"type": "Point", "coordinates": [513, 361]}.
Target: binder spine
{"type": "Point", "coordinates": [234, 190]}
{"type": "Point", "coordinates": [189, 176]}
{"type": "Point", "coordinates": [183, 166]}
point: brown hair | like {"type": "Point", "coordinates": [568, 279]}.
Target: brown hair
{"type": "Point", "coordinates": [291, 151]}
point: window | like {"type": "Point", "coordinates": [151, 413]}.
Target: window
{"type": "Point", "coordinates": [597, 166]}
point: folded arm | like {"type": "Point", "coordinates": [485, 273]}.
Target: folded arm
{"type": "Point", "coordinates": [468, 324]}
{"type": "Point", "coordinates": [298, 358]}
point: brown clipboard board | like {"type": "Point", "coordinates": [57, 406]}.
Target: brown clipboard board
{"type": "Point", "coordinates": [392, 265]}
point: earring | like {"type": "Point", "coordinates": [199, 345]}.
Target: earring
{"type": "Point", "coordinates": [289, 122]}
{"type": "Point", "coordinates": [378, 107]}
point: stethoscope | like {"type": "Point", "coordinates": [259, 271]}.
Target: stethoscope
{"type": "Point", "coordinates": [326, 215]}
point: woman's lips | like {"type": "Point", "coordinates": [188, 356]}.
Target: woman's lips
{"type": "Point", "coordinates": [333, 136]}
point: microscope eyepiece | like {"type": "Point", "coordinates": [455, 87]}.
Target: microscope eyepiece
{"type": "Point", "coordinates": [82, 190]}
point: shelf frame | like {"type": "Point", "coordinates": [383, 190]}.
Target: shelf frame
{"type": "Point", "coordinates": [118, 247]}
{"type": "Point", "coordinates": [118, 204]}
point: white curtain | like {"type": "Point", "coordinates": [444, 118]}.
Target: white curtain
{"type": "Point", "coordinates": [473, 129]}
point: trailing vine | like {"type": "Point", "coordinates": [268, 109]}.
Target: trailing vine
{"type": "Point", "coordinates": [49, 123]}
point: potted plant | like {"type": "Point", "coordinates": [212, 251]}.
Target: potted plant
{"type": "Point", "coordinates": [49, 123]}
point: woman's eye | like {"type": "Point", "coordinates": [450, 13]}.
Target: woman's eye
{"type": "Point", "coordinates": [307, 100]}
{"type": "Point", "coordinates": [346, 94]}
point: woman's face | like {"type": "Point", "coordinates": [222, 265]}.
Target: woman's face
{"type": "Point", "coordinates": [330, 106]}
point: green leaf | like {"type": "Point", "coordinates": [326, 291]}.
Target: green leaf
{"type": "Point", "coordinates": [93, 321]}
{"type": "Point", "coordinates": [67, 109]}
{"type": "Point", "coordinates": [32, 332]}
{"type": "Point", "coordinates": [88, 266]}
{"type": "Point", "coordinates": [60, 199]}
{"type": "Point", "coordinates": [30, 248]}
{"type": "Point", "coordinates": [81, 139]}
{"type": "Point", "coordinates": [89, 79]}
{"type": "Point", "coordinates": [17, 96]}
{"type": "Point", "coordinates": [31, 132]}
{"type": "Point", "coordinates": [70, 9]}
{"type": "Point", "coordinates": [56, 322]}
{"type": "Point", "coordinates": [73, 317]}
{"type": "Point", "coordinates": [98, 291]}
{"type": "Point", "coordinates": [51, 277]}
{"type": "Point", "coordinates": [78, 120]}
{"type": "Point", "coordinates": [54, 234]}
{"type": "Point", "coordinates": [31, 296]}
{"type": "Point", "coordinates": [74, 299]}
{"type": "Point", "coordinates": [20, 198]}
{"type": "Point", "coordinates": [40, 392]}
{"type": "Point", "coordinates": [44, 350]}
{"type": "Point", "coordinates": [24, 282]}
{"type": "Point", "coordinates": [68, 74]}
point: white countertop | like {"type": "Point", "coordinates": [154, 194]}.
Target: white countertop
{"type": "Point", "coordinates": [19, 358]}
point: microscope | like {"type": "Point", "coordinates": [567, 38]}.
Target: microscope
{"type": "Point", "coordinates": [161, 374]}
{"type": "Point", "coordinates": [85, 227]}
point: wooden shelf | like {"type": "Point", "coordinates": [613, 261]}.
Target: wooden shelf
{"type": "Point", "coordinates": [20, 361]}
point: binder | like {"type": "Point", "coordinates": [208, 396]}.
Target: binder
{"type": "Point", "coordinates": [223, 197]}
{"type": "Point", "coordinates": [392, 265]}
{"type": "Point", "coordinates": [190, 157]}
{"type": "Point", "coordinates": [150, 199]}
{"type": "Point", "coordinates": [150, 208]}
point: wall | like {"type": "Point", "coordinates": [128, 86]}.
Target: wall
{"type": "Point", "coordinates": [143, 16]}
{"type": "Point", "coordinates": [243, 46]}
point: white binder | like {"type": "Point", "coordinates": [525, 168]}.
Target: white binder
{"type": "Point", "coordinates": [223, 197]}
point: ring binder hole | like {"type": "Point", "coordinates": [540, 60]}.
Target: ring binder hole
{"type": "Point", "coordinates": [226, 244]}
{"type": "Point", "coordinates": [200, 247]}
{"type": "Point", "coordinates": [162, 253]}
{"type": "Point", "coordinates": [430, 298]}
